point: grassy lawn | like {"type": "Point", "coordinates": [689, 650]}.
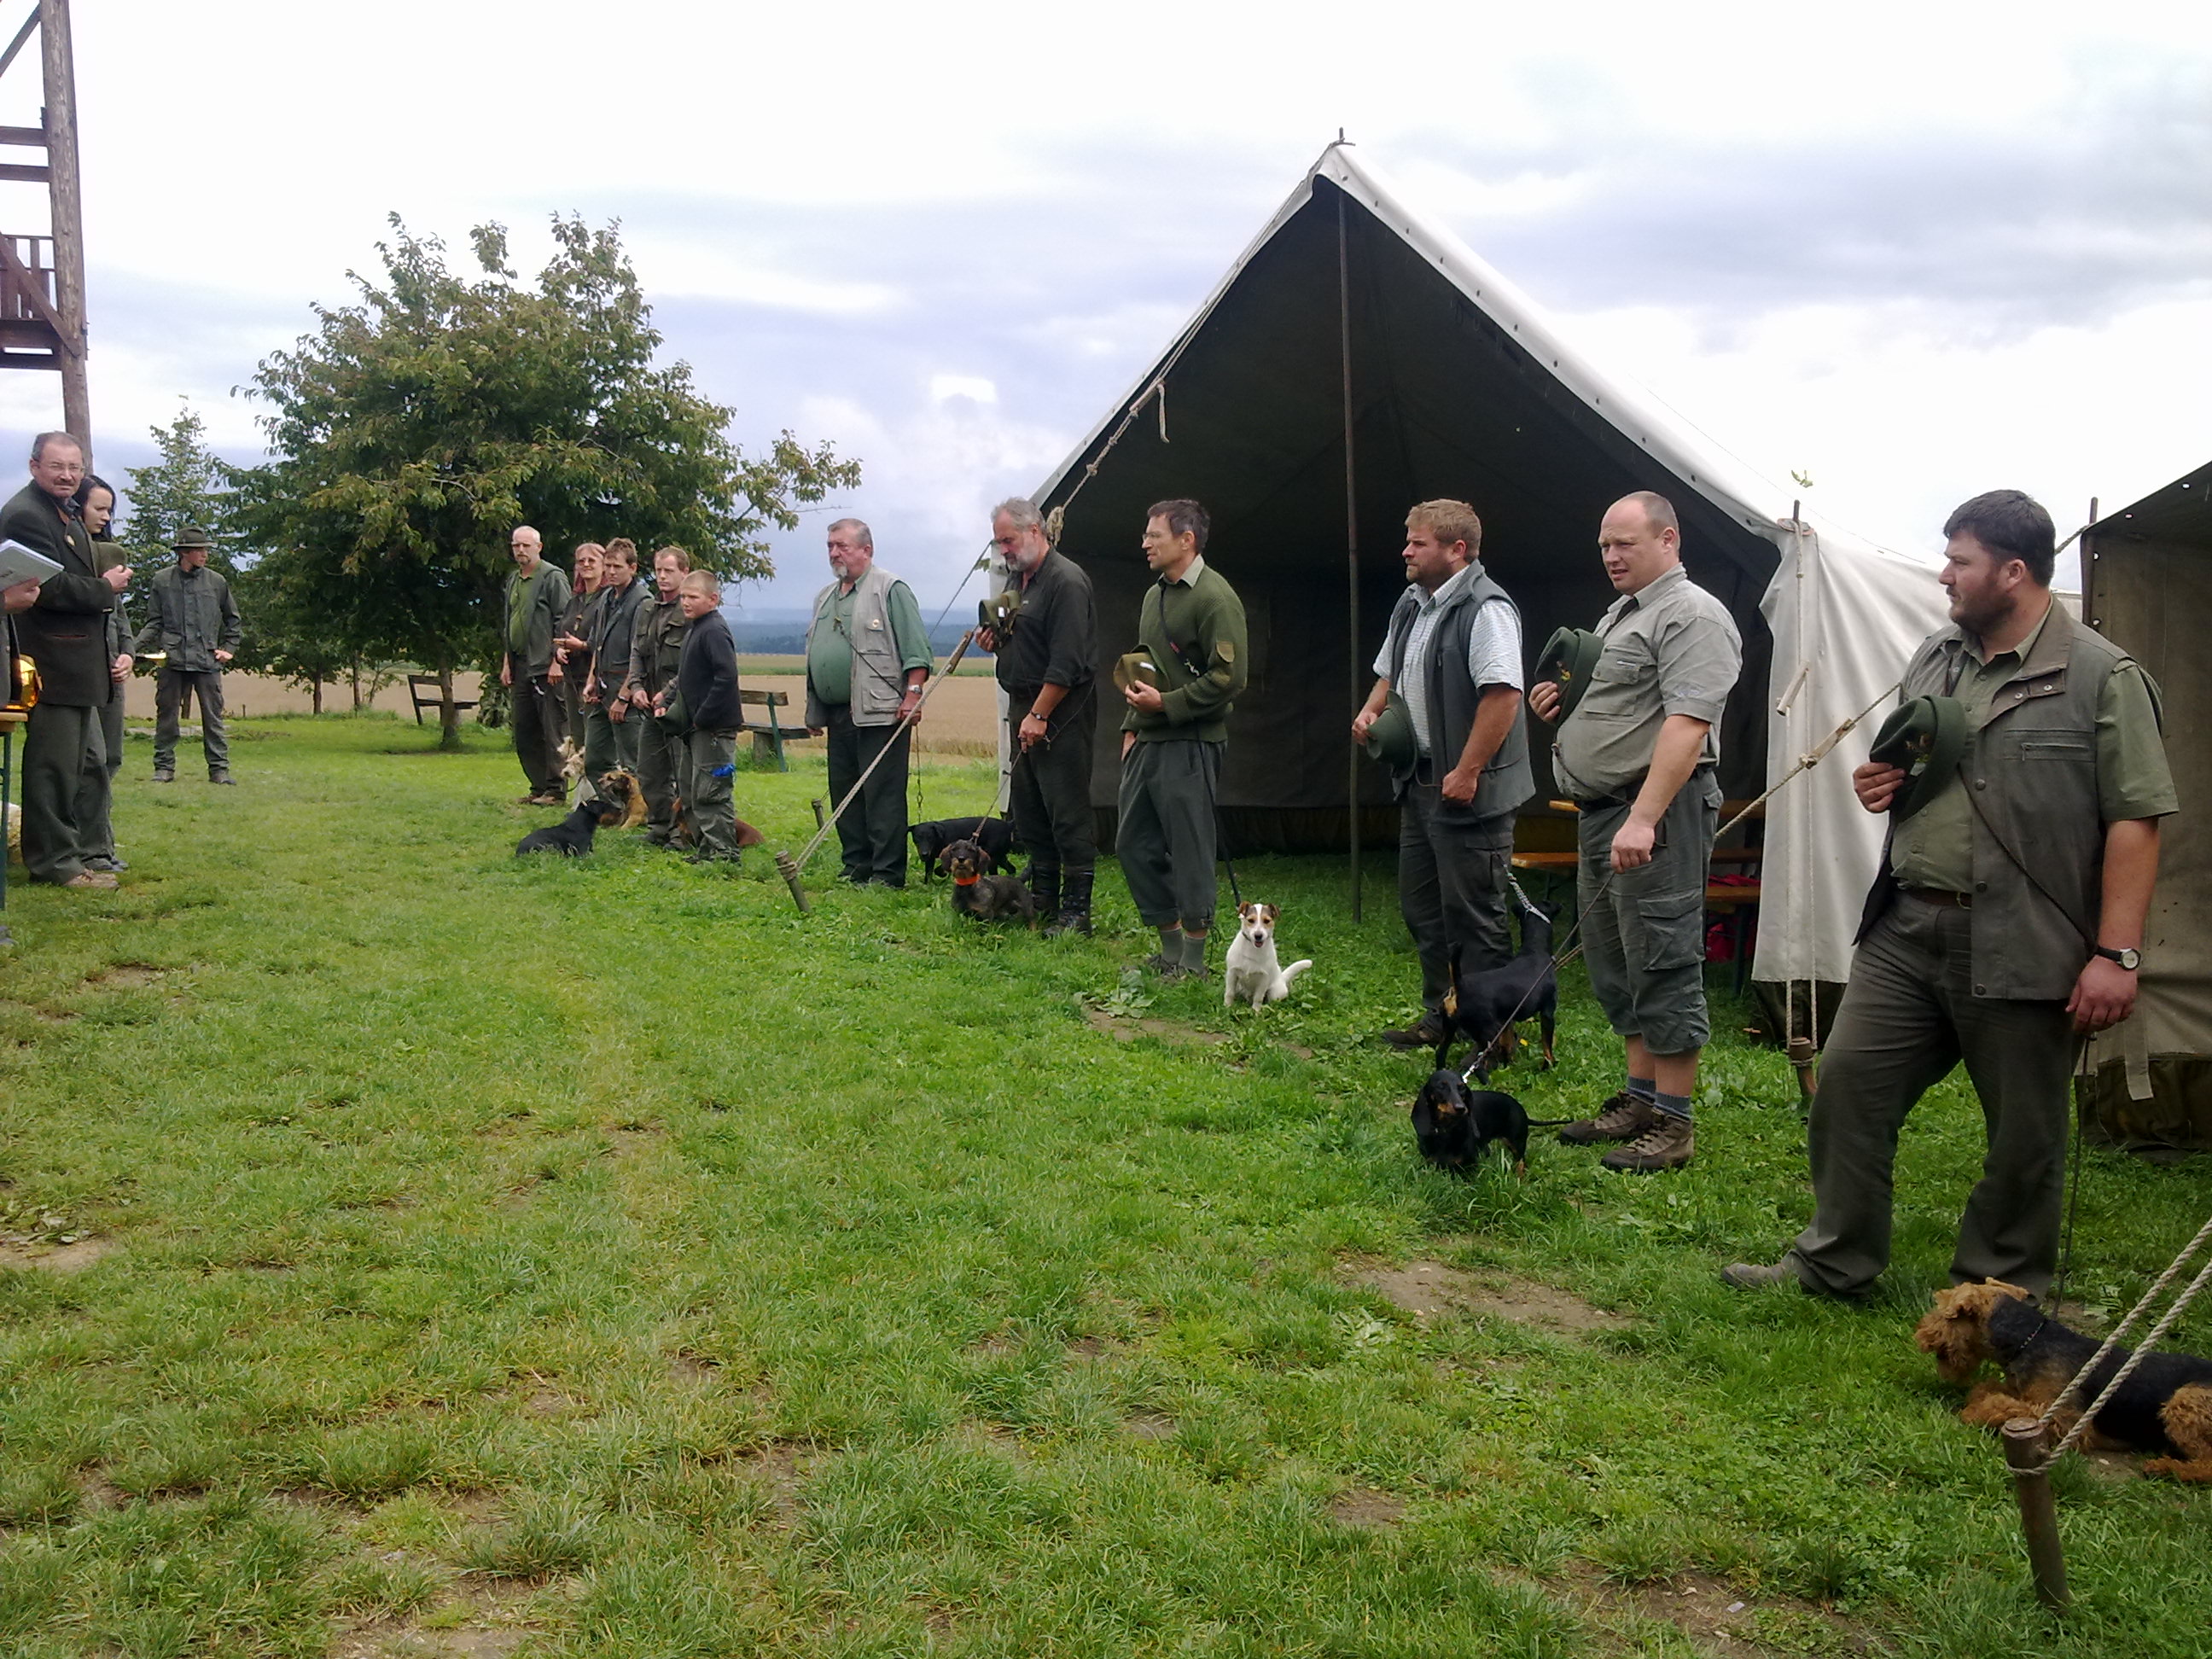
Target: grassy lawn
{"type": "Point", "coordinates": [433, 1253]}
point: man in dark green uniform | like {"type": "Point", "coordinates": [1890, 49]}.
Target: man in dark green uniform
{"type": "Point", "coordinates": [867, 655]}
{"type": "Point", "coordinates": [1191, 627]}
{"type": "Point", "coordinates": [193, 617]}
{"type": "Point", "coordinates": [656, 652]}
{"type": "Point", "coordinates": [572, 654]}
{"type": "Point", "coordinates": [610, 735]}
{"type": "Point", "coordinates": [96, 498]}
{"type": "Point", "coordinates": [1046, 666]}
{"type": "Point", "coordinates": [64, 791]}
{"type": "Point", "coordinates": [530, 614]}
{"type": "Point", "coordinates": [2006, 918]}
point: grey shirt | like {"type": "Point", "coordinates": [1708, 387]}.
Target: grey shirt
{"type": "Point", "coordinates": [1671, 648]}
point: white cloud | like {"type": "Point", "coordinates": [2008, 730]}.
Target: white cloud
{"type": "Point", "coordinates": [943, 388]}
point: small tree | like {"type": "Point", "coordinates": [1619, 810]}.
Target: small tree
{"type": "Point", "coordinates": [416, 429]}
{"type": "Point", "coordinates": [187, 485]}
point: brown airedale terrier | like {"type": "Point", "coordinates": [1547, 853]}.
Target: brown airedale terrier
{"type": "Point", "coordinates": [2165, 1405]}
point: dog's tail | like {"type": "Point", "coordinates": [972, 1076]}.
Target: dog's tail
{"type": "Point", "coordinates": [1550, 1122]}
{"type": "Point", "coordinates": [1291, 973]}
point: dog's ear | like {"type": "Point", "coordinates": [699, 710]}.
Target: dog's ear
{"type": "Point", "coordinates": [1271, 911]}
{"type": "Point", "coordinates": [944, 858]}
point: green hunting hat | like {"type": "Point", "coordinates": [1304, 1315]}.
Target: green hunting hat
{"type": "Point", "coordinates": [1000, 612]}
{"type": "Point", "coordinates": [191, 536]}
{"type": "Point", "coordinates": [1569, 658]}
{"type": "Point", "coordinates": [1391, 739]}
{"type": "Point", "coordinates": [1927, 737]}
{"type": "Point", "coordinates": [1135, 668]}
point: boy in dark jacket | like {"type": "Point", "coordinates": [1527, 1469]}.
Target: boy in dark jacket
{"type": "Point", "coordinates": [707, 684]}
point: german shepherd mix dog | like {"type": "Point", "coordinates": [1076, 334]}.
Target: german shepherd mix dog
{"type": "Point", "coordinates": [976, 892]}
{"type": "Point", "coordinates": [994, 835]}
{"type": "Point", "coordinates": [1487, 1003]}
{"type": "Point", "coordinates": [2165, 1405]}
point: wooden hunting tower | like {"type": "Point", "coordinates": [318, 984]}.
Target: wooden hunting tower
{"type": "Point", "coordinates": [42, 277]}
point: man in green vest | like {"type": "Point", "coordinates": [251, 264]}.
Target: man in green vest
{"type": "Point", "coordinates": [193, 617]}
{"type": "Point", "coordinates": [536, 596]}
{"type": "Point", "coordinates": [867, 656]}
{"type": "Point", "coordinates": [2006, 919]}
{"type": "Point", "coordinates": [1639, 754]}
{"type": "Point", "coordinates": [656, 652]}
{"type": "Point", "coordinates": [65, 778]}
{"type": "Point", "coordinates": [1196, 654]}
{"type": "Point", "coordinates": [1453, 653]}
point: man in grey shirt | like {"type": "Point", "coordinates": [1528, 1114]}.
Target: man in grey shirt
{"type": "Point", "coordinates": [1638, 756]}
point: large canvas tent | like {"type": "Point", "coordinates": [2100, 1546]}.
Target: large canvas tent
{"type": "Point", "coordinates": [1356, 359]}
{"type": "Point", "coordinates": [2147, 585]}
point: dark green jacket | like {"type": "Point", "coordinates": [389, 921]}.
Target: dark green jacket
{"type": "Point", "coordinates": [66, 631]}
{"type": "Point", "coordinates": [612, 632]}
{"type": "Point", "coordinates": [191, 616]}
{"type": "Point", "coordinates": [656, 648]}
{"type": "Point", "coordinates": [543, 609]}
{"type": "Point", "coordinates": [1193, 633]}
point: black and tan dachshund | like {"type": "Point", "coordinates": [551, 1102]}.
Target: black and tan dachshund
{"type": "Point", "coordinates": [1454, 1125]}
{"type": "Point", "coordinates": [1487, 1004]}
{"type": "Point", "coordinates": [572, 836]}
{"type": "Point", "coordinates": [976, 892]}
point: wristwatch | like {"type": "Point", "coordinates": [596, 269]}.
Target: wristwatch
{"type": "Point", "coordinates": [2129, 957]}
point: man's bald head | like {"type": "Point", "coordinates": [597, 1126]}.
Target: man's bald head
{"type": "Point", "coordinates": [527, 547]}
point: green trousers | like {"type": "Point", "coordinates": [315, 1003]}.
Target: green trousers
{"type": "Point", "coordinates": [707, 797]}
{"type": "Point", "coordinates": [1165, 837]}
{"type": "Point", "coordinates": [1909, 1015]}
{"type": "Point", "coordinates": [872, 834]}
{"type": "Point", "coordinates": [599, 747]}
{"type": "Point", "coordinates": [64, 791]}
{"type": "Point", "coordinates": [660, 765]}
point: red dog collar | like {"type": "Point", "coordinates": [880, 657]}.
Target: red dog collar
{"type": "Point", "coordinates": [965, 881]}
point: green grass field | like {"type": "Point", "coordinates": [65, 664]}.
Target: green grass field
{"type": "Point", "coordinates": [418, 1251]}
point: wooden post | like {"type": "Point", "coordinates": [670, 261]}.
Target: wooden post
{"type": "Point", "coordinates": [57, 60]}
{"type": "Point", "coordinates": [2025, 1449]}
{"type": "Point", "coordinates": [1350, 530]}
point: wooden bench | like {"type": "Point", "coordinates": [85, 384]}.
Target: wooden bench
{"type": "Point", "coordinates": [417, 683]}
{"type": "Point", "coordinates": [770, 735]}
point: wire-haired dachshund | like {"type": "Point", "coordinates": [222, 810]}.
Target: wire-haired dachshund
{"type": "Point", "coordinates": [977, 893]}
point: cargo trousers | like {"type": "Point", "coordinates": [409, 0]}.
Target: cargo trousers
{"type": "Point", "coordinates": [1643, 930]}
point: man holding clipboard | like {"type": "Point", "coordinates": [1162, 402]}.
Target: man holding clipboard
{"type": "Point", "coordinates": [65, 789]}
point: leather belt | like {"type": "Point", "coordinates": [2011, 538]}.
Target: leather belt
{"type": "Point", "coordinates": [1606, 803]}
{"type": "Point", "coordinates": [1943, 895]}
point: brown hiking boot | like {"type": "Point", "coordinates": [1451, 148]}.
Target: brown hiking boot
{"type": "Point", "coordinates": [1666, 1145]}
{"type": "Point", "coordinates": [1425, 1032]}
{"type": "Point", "coordinates": [1622, 1118]}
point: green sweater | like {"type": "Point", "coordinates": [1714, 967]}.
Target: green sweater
{"type": "Point", "coordinates": [1193, 630]}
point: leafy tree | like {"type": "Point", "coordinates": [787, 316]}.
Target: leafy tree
{"type": "Point", "coordinates": [187, 485]}
{"type": "Point", "coordinates": [414, 428]}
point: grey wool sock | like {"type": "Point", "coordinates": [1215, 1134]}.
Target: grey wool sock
{"type": "Point", "coordinates": [1644, 1088]}
{"type": "Point", "coordinates": [1172, 942]}
{"type": "Point", "coordinates": [1194, 951]}
{"type": "Point", "coordinates": [1672, 1105]}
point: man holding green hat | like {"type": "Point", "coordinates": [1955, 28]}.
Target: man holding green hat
{"type": "Point", "coordinates": [1638, 753]}
{"type": "Point", "coordinates": [1196, 658]}
{"type": "Point", "coordinates": [2007, 916]}
{"type": "Point", "coordinates": [192, 618]}
{"type": "Point", "coordinates": [1451, 658]}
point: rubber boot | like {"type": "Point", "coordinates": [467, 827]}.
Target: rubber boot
{"type": "Point", "coordinates": [1044, 888]}
{"type": "Point", "coordinates": [1075, 906]}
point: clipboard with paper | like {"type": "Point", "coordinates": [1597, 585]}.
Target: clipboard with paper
{"type": "Point", "coordinates": [18, 563]}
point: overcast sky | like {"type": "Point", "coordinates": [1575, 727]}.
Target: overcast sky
{"type": "Point", "coordinates": [1912, 252]}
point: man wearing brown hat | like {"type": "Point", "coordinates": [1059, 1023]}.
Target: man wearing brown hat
{"type": "Point", "coordinates": [192, 619]}
{"type": "Point", "coordinates": [65, 789]}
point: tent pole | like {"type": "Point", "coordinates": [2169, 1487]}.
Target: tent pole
{"type": "Point", "coordinates": [1350, 537]}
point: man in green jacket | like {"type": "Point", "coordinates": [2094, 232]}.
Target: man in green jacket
{"type": "Point", "coordinates": [536, 596]}
{"type": "Point", "coordinates": [193, 617]}
{"type": "Point", "coordinates": [65, 778]}
{"type": "Point", "coordinates": [609, 734]}
{"type": "Point", "coordinates": [96, 498]}
{"type": "Point", "coordinates": [1196, 654]}
{"type": "Point", "coordinates": [656, 652]}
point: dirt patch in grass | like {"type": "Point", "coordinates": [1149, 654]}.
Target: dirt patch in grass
{"type": "Point", "coordinates": [1367, 1509]}
{"type": "Point", "coordinates": [781, 1467]}
{"type": "Point", "coordinates": [1718, 1618]}
{"type": "Point", "coordinates": [1087, 1347]}
{"type": "Point", "coordinates": [1150, 1425]}
{"type": "Point", "coordinates": [475, 1621]}
{"type": "Point", "coordinates": [134, 976]}
{"type": "Point", "coordinates": [694, 1368]}
{"type": "Point", "coordinates": [1124, 1028]}
{"type": "Point", "coordinates": [1429, 1290]}
{"type": "Point", "coordinates": [57, 1258]}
